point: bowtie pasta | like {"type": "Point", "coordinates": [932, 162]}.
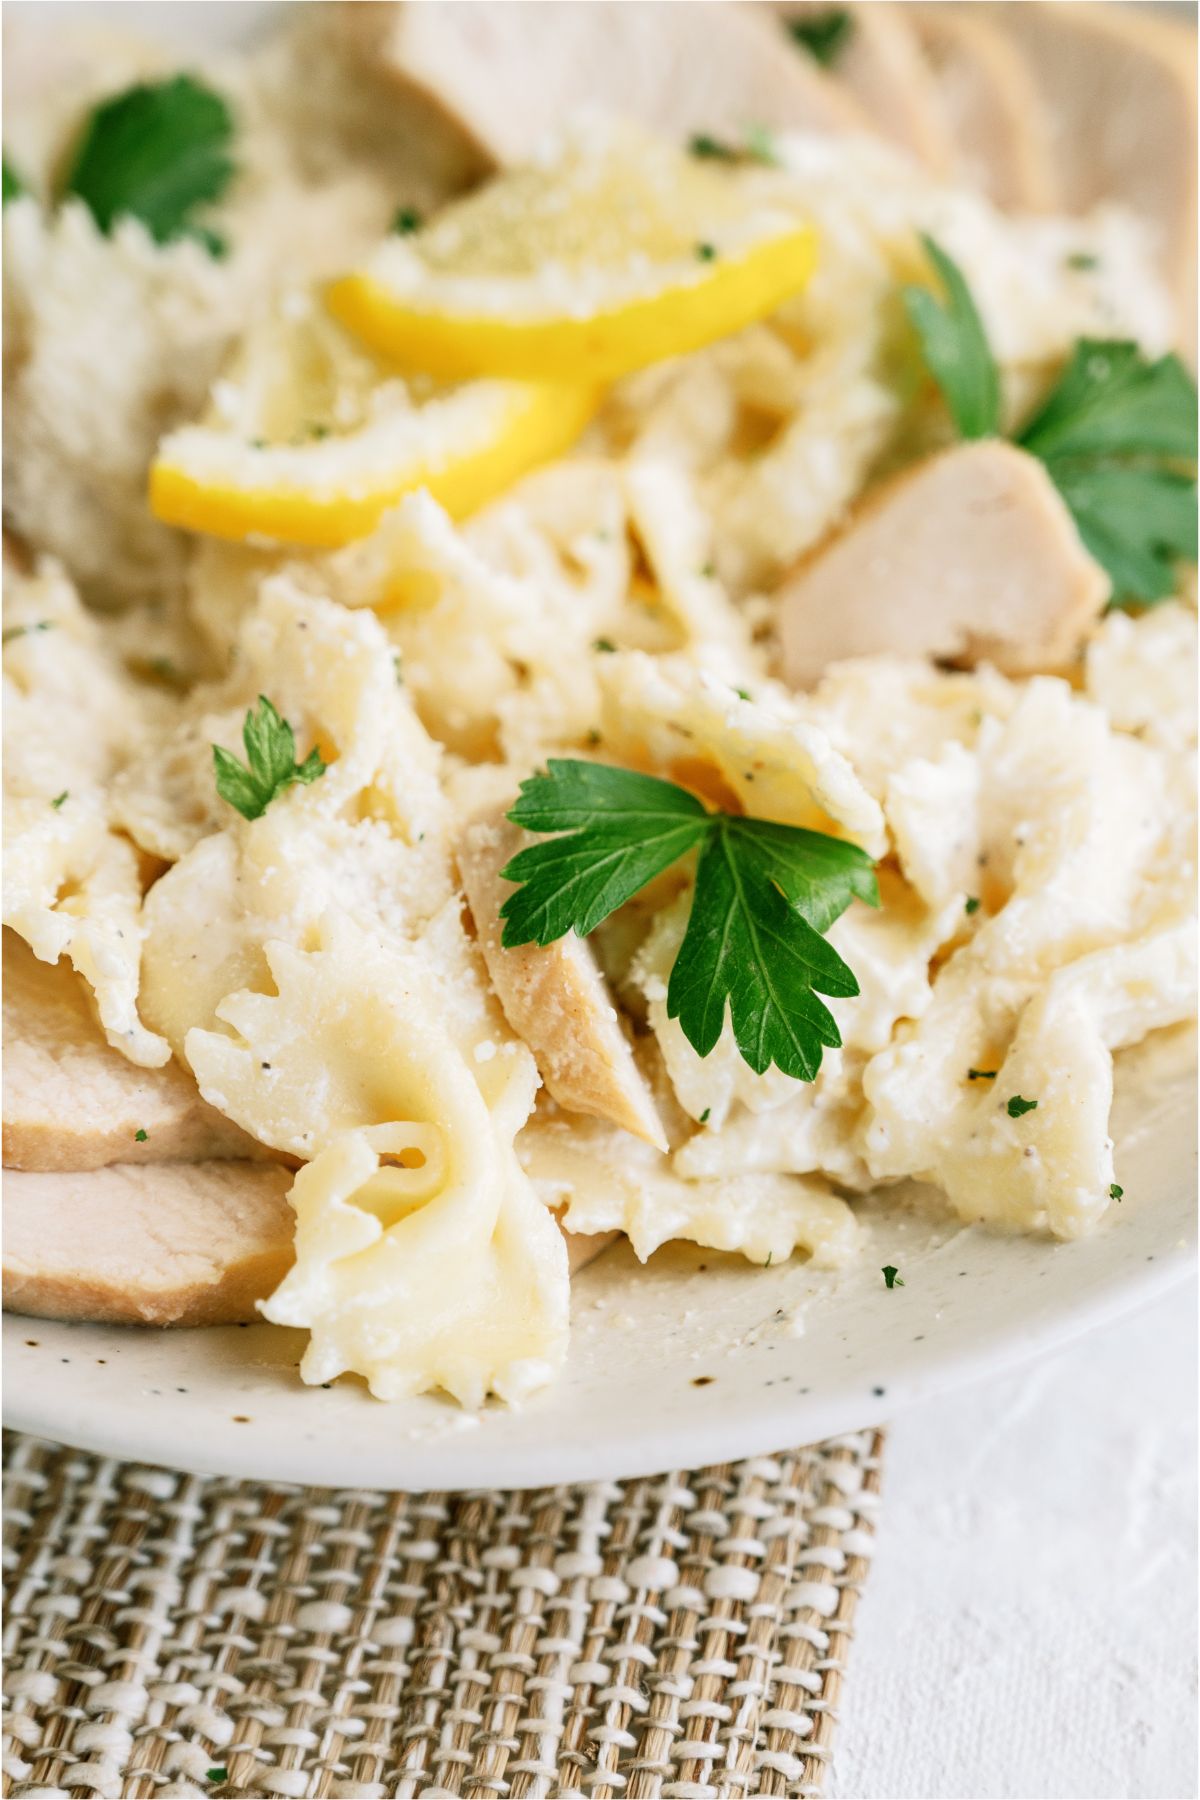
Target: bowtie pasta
{"type": "Point", "coordinates": [304, 948]}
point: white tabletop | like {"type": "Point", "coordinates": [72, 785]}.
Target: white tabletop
{"type": "Point", "coordinates": [1029, 1625]}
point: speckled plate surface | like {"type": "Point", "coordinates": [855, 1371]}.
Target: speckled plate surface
{"type": "Point", "coordinates": [695, 1358]}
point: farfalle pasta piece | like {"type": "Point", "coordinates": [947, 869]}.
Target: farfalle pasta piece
{"type": "Point", "coordinates": [444, 1271]}
{"type": "Point", "coordinates": [332, 674]}
{"type": "Point", "coordinates": [758, 749]}
{"type": "Point", "coordinates": [72, 717]}
{"type": "Point", "coordinates": [608, 1181]}
{"type": "Point", "coordinates": [1048, 1165]}
{"type": "Point", "coordinates": [72, 888]}
{"type": "Point", "coordinates": [1074, 822]}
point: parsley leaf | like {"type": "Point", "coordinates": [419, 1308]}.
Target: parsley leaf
{"type": "Point", "coordinates": [1017, 1106]}
{"type": "Point", "coordinates": [764, 895]}
{"type": "Point", "coordinates": [156, 151]}
{"type": "Point", "coordinates": [824, 35]}
{"type": "Point", "coordinates": [712, 149]}
{"type": "Point", "coordinates": [1117, 435]}
{"type": "Point", "coordinates": [955, 347]}
{"type": "Point", "coordinates": [891, 1276]}
{"type": "Point", "coordinates": [270, 764]}
{"type": "Point", "coordinates": [1113, 435]}
{"type": "Point", "coordinates": [13, 185]}
{"type": "Point", "coordinates": [1115, 1192]}
{"type": "Point", "coordinates": [407, 220]}
{"type": "Point", "coordinates": [758, 146]}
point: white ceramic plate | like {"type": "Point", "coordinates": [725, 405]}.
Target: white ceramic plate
{"type": "Point", "coordinates": [695, 1358]}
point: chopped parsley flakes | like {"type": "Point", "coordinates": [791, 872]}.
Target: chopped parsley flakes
{"type": "Point", "coordinates": [824, 35]}
{"type": "Point", "coordinates": [1017, 1107]}
{"type": "Point", "coordinates": [892, 1276]}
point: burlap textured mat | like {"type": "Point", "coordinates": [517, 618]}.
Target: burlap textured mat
{"type": "Point", "coordinates": [681, 1637]}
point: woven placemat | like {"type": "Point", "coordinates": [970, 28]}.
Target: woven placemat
{"type": "Point", "coordinates": [682, 1636]}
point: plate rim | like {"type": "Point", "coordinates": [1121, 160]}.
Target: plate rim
{"type": "Point", "coordinates": [762, 1429]}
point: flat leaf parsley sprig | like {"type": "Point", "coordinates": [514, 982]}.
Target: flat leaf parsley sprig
{"type": "Point", "coordinates": [764, 896]}
{"type": "Point", "coordinates": [270, 764]}
{"type": "Point", "coordinates": [1117, 434]}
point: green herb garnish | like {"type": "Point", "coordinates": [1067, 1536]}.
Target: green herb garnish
{"type": "Point", "coordinates": [892, 1276]}
{"type": "Point", "coordinates": [759, 146]}
{"type": "Point", "coordinates": [13, 632]}
{"type": "Point", "coordinates": [983, 1075]}
{"type": "Point", "coordinates": [824, 35]}
{"type": "Point", "coordinates": [972, 905]}
{"type": "Point", "coordinates": [270, 765]}
{"type": "Point", "coordinates": [140, 1136]}
{"type": "Point", "coordinates": [13, 185]}
{"type": "Point", "coordinates": [217, 1775]}
{"type": "Point", "coordinates": [706, 252]}
{"type": "Point", "coordinates": [1017, 1107]}
{"type": "Point", "coordinates": [60, 798]}
{"type": "Point", "coordinates": [955, 347]}
{"type": "Point", "coordinates": [1115, 1192]}
{"type": "Point", "coordinates": [704, 1116]}
{"type": "Point", "coordinates": [155, 152]}
{"type": "Point", "coordinates": [764, 895]}
{"type": "Point", "coordinates": [711, 149]}
{"type": "Point", "coordinates": [1117, 435]}
{"type": "Point", "coordinates": [605, 646]}
{"type": "Point", "coordinates": [1083, 259]}
{"type": "Point", "coordinates": [406, 221]}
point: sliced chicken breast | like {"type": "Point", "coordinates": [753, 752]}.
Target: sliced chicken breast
{"type": "Point", "coordinates": [555, 997]}
{"type": "Point", "coordinates": [499, 77]}
{"type": "Point", "coordinates": [1120, 85]}
{"type": "Point", "coordinates": [73, 1102]}
{"type": "Point", "coordinates": [881, 65]}
{"type": "Point", "coordinates": [168, 1244]}
{"type": "Point", "coordinates": [165, 1244]}
{"type": "Point", "coordinates": [970, 557]}
{"type": "Point", "coordinates": [992, 106]}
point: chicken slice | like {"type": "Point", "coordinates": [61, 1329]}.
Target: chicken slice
{"type": "Point", "coordinates": [168, 1244]}
{"type": "Point", "coordinates": [73, 1102]}
{"type": "Point", "coordinates": [554, 996]}
{"type": "Point", "coordinates": [971, 556]}
{"type": "Point", "coordinates": [499, 77]}
{"type": "Point", "coordinates": [881, 65]}
{"type": "Point", "coordinates": [997, 117]}
{"type": "Point", "coordinates": [1120, 85]}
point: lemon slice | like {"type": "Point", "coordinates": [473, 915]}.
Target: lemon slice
{"type": "Point", "coordinates": [309, 438]}
{"type": "Point", "coordinates": [612, 252]}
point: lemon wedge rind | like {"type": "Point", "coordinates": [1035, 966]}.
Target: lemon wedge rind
{"type": "Point", "coordinates": [421, 321]}
{"type": "Point", "coordinates": [465, 447]}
